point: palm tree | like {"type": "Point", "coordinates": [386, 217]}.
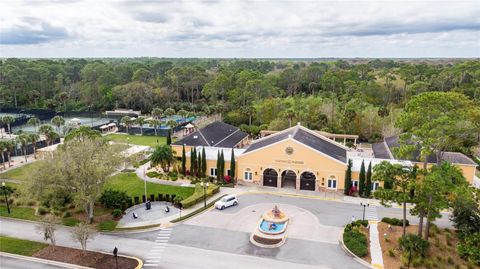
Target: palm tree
{"type": "Point", "coordinates": [58, 121]}
{"type": "Point", "coordinates": [290, 114]}
{"type": "Point", "coordinates": [154, 123]}
{"type": "Point", "coordinates": [127, 121]}
{"type": "Point", "coordinates": [172, 124]}
{"type": "Point", "coordinates": [10, 146]}
{"type": "Point", "coordinates": [47, 131]}
{"type": "Point", "coordinates": [163, 156]}
{"type": "Point", "coordinates": [157, 113]}
{"type": "Point", "coordinates": [169, 112]}
{"type": "Point", "coordinates": [22, 139]}
{"type": "Point", "coordinates": [8, 120]}
{"type": "Point", "coordinates": [50, 137]}
{"type": "Point", "coordinates": [3, 148]}
{"type": "Point", "coordinates": [183, 113]}
{"type": "Point", "coordinates": [34, 122]}
{"type": "Point", "coordinates": [141, 121]}
{"type": "Point", "coordinates": [33, 138]}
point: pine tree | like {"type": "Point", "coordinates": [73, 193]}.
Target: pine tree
{"type": "Point", "coordinates": [232, 167]}
{"type": "Point", "coordinates": [361, 182]}
{"type": "Point", "coordinates": [204, 162]}
{"type": "Point", "coordinates": [184, 161]}
{"type": "Point", "coordinates": [368, 183]}
{"type": "Point", "coordinates": [348, 178]}
{"type": "Point", "coordinates": [169, 138]}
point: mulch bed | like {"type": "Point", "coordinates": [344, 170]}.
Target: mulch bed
{"type": "Point", "coordinates": [87, 258]}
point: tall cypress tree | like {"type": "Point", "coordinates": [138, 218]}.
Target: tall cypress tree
{"type": "Point", "coordinates": [361, 182]}
{"type": "Point", "coordinates": [222, 165]}
{"type": "Point", "coordinates": [348, 178]}
{"type": "Point", "coordinates": [232, 167]}
{"type": "Point", "coordinates": [204, 162]}
{"type": "Point", "coordinates": [368, 183]}
{"type": "Point", "coordinates": [184, 161]}
{"type": "Point", "coordinates": [192, 161]}
{"type": "Point", "coordinates": [198, 168]}
{"type": "Point", "coordinates": [169, 137]}
{"type": "Point", "coordinates": [218, 165]}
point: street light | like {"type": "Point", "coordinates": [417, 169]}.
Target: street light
{"type": "Point", "coordinates": [115, 251]}
{"type": "Point", "coordinates": [128, 141]}
{"type": "Point", "coordinates": [364, 206]}
{"type": "Point", "coordinates": [6, 197]}
{"type": "Point", "coordinates": [205, 187]}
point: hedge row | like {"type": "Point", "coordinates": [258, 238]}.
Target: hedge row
{"type": "Point", "coordinates": [197, 196]}
{"type": "Point", "coordinates": [198, 210]}
{"type": "Point", "coordinates": [356, 242]}
{"type": "Point", "coordinates": [395, 221]}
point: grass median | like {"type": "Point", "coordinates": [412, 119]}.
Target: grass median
{"type": "Point", "coordinates": [142, 140]}
{"type": "Point", "coordinates": [19, 246]}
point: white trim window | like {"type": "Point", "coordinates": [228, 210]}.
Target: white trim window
{"type": "Point", "coordinates": [213, 172]}
{"type": "Point", "coordinates": [247, 175]}
{"type": "Point", "coordinates": [332, 183]}
{"type": "Point", "coordinates": [375, 185]}
{"type": "Point", "coordinates": [355, 183]}
{"type": "Point", "coordinates": [228, 171]}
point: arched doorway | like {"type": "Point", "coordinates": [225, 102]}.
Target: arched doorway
{"type": "Point", "coordinates": [289, 179]}
{"type": "Point", "coordinates": [307, 181]}
{"type": "Point", "coordinates": [270, 177]}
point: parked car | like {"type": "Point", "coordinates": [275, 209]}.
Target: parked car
{"type": "Point", "coordinates": [227, 201]}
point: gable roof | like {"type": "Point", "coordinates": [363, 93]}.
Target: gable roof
{"type": "Point", "coordinates": [306, 137]}
{"type": "Point", "coordinates": [216, 134]}
{"type": "Point", "coordinates": [384, 150]}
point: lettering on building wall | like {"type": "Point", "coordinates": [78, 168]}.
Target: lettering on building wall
{"type": "Point", "coordinates": [290, 161]}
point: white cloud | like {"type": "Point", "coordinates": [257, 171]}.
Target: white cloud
{"type": "Point", "coordinates": [269, 28]}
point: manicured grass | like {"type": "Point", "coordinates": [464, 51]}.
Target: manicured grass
{"type": "Point", "coordinates": [107, 225]}
{"type": "Point", "coordinates": [19, 246]}
{"type": "Point", "coordinates": [70, 222]}
{"type": "Point", "coordinates": [18, 212]}
{"type": "Point", "coordinates": [138, 139]}
{"type": "Point", "coordinates": [20, 173]}
{"type": "Point", "coordinates": [134, 186]}
{"type": "Point", "coordinates": [201, 209]}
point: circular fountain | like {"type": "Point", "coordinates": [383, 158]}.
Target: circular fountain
{"type": "Point", "coordinates": [270, 232]}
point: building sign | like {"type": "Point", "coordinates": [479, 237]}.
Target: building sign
{"type": "Point", "coordinates": [290, 161]}
{"type": "Point", "coordinates": [289, 150]}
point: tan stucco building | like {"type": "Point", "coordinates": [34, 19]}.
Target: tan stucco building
{"type": "Point", "coordinates": [303, 159]}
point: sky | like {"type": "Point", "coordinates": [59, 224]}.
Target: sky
{"type": "Point", "coordinates": [241, 29]}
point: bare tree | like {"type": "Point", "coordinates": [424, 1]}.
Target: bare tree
{"type": "Point", "coordinates": [47, 226]}
{"type": "Point", "coordinates": [82, 233]}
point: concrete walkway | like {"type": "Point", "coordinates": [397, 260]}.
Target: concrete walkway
{"type": "Point", "coordinates": [375, 248]}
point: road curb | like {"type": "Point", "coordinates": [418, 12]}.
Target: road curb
{"type": "Point", "coordinates": [350, 253]}
{"type": "Point", "coordinates": [44, 261]}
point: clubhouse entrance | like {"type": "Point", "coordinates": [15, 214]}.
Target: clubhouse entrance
{"type": "Point", "coordinates": [289, 179]}
{"type": "Point", "coordinates": [270, 177]}
{"type": "Point", "coordinates": [307, 181]}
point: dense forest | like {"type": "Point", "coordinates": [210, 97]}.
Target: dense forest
{"type": "Point", "coordinates": [340, 96]}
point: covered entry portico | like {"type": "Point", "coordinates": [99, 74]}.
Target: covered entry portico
{"type": "Point", "coordinates": [289, 179]}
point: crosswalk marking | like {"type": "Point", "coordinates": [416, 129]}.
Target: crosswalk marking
{"type": "Point", "coordinates": [371, 213]}
{"type": "Point", "coordinates": [155, 255]}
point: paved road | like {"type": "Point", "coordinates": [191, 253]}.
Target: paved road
{"type": "Point", "coordinates": [13, 263]}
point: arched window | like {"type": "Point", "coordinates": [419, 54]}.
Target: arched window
{"type": "Point", "coordinates": [332, 183]}
{"type": "Point", "coordinates": [247, 175]}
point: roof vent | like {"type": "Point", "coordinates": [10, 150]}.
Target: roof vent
{"type": "Point", "coordinates": [195, 137]}
{"type": "Point", "coordinates": [289, 135]}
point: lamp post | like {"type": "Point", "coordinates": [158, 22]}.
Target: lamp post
{"type": "Point", "coordinates": [364, 206]}
{"type": "Point", "coordinates": [205, 187]}
{"type": "Point", "coordinates": [6, 197]}
{"type": "Point", "coordinates": [128, 141]}
{"type": "Point", "coordinates": [115, 251]}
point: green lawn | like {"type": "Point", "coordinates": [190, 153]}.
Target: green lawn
{"type": "Point", "coordinates": [19, 246]}
{"type": "Point", "coordinates": [138, 139]}
{"type": "Point", "coordinates": [20, 173]}
{"type": "Point", "coordinates": [107, 225]}
{"type": "Point", "coordinates": [18, 212]}
{"type": "Point", "coordinates": [134, 186]}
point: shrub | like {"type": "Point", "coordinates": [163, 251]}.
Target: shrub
{"type": "Point", "coordinates": [114, 199]}
{"type": "Point", "coordinates": [450, 260]}
{"type": "Point", "coordinates": [356, 242]}
{"type": "Point", "coordinates": [469, 248]}
{"type": "Point", "coordinates": [197, 196]}
{"type": "Point", "coordinates": [395, 221]}
{"type": "Point", "coordinates": [391, 253]}
{"type": "Point", "coordinates": [153, 174]}
{"type": "Point", "coordinates": [66, 214]}
{"type": "Point", "coordinates": [356, 224]}
{"type": "Point", "coordinates": [117, 213]}
{"type": "Point", "coordinates": [42, 210]}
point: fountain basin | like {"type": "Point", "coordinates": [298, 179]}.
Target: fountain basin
{"type": "Point", "coordinates": [266, 227]}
